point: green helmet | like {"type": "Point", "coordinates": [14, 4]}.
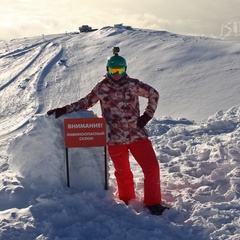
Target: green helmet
{"type": "Point", "coordinates": [116, 60]}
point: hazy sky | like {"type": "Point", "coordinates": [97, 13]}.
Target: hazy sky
{"type": "Point", "coordinates": [24, 18]}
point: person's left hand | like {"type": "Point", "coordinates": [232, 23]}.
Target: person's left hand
{"type": "Point", "coordinates": [143, 120]}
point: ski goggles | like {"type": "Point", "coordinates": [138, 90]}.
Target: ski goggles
{"type": "Point", "coordinates": [119, 70]}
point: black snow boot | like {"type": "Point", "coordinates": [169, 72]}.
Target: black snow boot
{"type": "Point", "coordinates": [157, 209]}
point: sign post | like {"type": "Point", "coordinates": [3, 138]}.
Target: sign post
{"type": "Point", "coordinates": [85, 132]}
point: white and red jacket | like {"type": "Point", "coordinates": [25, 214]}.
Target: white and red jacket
{"type": "Point", "coordinates": [119, 102]}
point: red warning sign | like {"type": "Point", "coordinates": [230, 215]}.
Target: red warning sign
{"type": "Point", "coordinates": [85, 132]}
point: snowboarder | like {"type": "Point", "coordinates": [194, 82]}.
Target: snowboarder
{"type": "Point", "coordinates": [119, 99]}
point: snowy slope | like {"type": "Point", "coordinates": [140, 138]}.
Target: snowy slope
{"type": "Point", "coordinates": [195, 134]}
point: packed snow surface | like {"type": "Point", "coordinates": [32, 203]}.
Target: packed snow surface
{"type": "Point", "coordinates": [195, 133]}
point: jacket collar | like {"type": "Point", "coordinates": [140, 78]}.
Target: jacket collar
{"type": "Point", "coordinates": [119, 82]}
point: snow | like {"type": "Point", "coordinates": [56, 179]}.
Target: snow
{"type": "Point", "coordinates": [195, 133]}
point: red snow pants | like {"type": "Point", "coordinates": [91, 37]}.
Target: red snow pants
{"type": "Point", "coordinates": [144, 154]}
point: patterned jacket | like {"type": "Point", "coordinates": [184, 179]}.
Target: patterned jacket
{"type": "Point", "coordinates": [120, 107]}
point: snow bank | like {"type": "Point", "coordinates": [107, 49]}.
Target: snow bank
{"type": "Point", "coordinates": [200, 176]}
{"type": "Point", "coordinates": [39, 156]}
{"type": "Point", "coordinates": [201, 171]}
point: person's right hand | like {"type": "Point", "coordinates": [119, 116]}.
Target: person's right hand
{"type": "Point", "coordinates": [58, 111]}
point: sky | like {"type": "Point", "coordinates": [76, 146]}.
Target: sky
{"type": "Point", "coordinates": [24, 18]}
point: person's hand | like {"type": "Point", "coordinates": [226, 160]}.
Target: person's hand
{"type": "Point", "coordinates": [58, 111]}
{"type": "Point", "coordinates": [143, 120]}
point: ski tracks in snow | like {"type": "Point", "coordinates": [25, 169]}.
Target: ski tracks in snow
{"type": "Point", "coordinates": [37, 68]}
{"type": "Point", "coordinates": [46, 69]}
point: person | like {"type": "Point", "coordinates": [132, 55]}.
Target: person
{"type": "Point", "coordinates": [119, 100]}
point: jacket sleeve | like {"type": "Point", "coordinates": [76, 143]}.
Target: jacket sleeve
{"type": "Point", "coordinates": [84, 103]}
{"type": "Point", "coordinates": [151, 94]}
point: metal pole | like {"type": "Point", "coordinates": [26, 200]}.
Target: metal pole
{"type": "Point", "coordinates": [67, 168]}
{"type": "Point", "coordinates": [106, 168]}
